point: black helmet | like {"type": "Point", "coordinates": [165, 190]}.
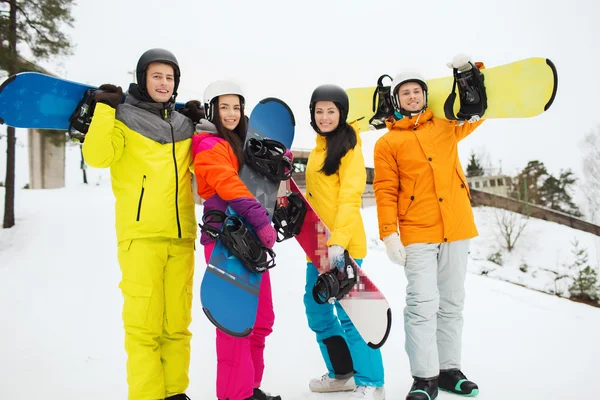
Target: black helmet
{"type": "Point", "coordinates": [156, 55]}
{"type": "Point", "coordinates": [332, 93]}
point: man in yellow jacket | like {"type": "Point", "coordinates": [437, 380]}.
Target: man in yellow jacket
{"type": "Point", "coordinates": [147, 146]}
{"type": "Point", "coordinates": [421, 189]}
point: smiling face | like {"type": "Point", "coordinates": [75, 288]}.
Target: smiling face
{"type": "Point", "coordinates": [230, 111]}
{"type": "Point", "coordinates": [327, 116]}
{"type": "Point", "coordinates": [160, 82]}
{"type": "Point", "coordinates": [411, 96]}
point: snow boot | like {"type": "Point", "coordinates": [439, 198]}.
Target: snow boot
{"type": "Point", "coordinates": [368, 393]}
{"type": "Point", "coordinates": [423, 389]}
{"type": "Point", "coordinates": [453, 380]}
{"type": "Point", "coordinates": [325, 384]}
{"type": "Point", "coordinates": [260, 395]}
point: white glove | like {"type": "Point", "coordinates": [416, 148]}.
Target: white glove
{"type": "Point", "coordinates": [335, 254]}
{"type": "Point", "coordinates": [460, 62]}
{"type": "Point", "coordinates": [395, 250]}
{"type": "Point", "coordinates": [474, 118]}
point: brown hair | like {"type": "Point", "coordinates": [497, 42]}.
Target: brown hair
{"type": "Point", "coordinates": [235, 138]}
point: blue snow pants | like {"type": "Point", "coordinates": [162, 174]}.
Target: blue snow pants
{"type": "Point", "coordinates": [333, 332]}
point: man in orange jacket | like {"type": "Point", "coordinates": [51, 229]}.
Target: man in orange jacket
{"type": "Point", "coordinates": [421, 189]}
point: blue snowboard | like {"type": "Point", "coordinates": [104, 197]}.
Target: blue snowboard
{"type": "Point", "coordinates": [229, 292]}
{"type": "Point", "coordinates": [34, 100]}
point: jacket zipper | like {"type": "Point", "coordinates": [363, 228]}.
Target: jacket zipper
{"type": "Point", "coordinates": [168, 119]}
{"type": "Point", "coordinates": [139, 210]}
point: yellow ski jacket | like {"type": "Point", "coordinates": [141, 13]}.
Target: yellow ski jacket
{"type": "Point", "coordinates": [337, 198]}
{"type": "Point", "coordinates": [148, 150]}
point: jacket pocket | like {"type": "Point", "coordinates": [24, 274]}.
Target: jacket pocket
{"type": "Point", "coordinates": [463, 182]}
{"type": "Point", "coordinates": [187, 308]}
{"type": "Point", "coordinates": [139, 209]}
{"type": "Point", "coordinates": [407, 195]}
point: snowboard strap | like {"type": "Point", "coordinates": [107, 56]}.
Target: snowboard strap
{"type": "Point", "coordinates": [288, 219]}
{"type": "Point", "coordinates": [382, 104]}
{"type": "Point", "coordinates": [267, 157]}
{"type": "Point", "coordinates": [335, 284]}
{"type": "Point", "coordinates": [472, 95]}
{"type": "Point", "coordinates": [79, 121]}
{"type": "Point", "coordinates": [238, 239]}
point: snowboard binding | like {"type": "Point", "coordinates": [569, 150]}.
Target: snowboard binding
{"type": "Point", "coordinates": [472, 95]}
{"type": "Point", "coordinates": [79, 121]}
{"type": "Point", "coordinates": [335, 284]}
{"type": "Point", "coordinates": [382, 104]}
{"type": "Point", "coordinates": [267, 157]}
{"type": "Point", "coordinates": [289, 219]}
{"type": "Point", "coordinates": [238, 239]}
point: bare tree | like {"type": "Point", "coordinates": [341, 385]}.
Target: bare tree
{"type": "Point", "coordinates": [510, 226]}
{"type": "Point", "coordinates": [560, 281]}
{"type": "Point", "coordinates": [591, 172]}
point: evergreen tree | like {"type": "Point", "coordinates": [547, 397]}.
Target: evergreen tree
{"type": "Point", "coordinates": [585, 278]}
{"type": "Point", "coordinates": [474, 167]}
{"type": "Point", "coordinates": [554, 193]}
{"type": "Point", "coordinates": [536, 186]}
{"type": "Point", "coordinates": [529, 182]}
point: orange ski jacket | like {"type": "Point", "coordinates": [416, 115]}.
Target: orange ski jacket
{"type": "Point", "coordinates": [419, 183]}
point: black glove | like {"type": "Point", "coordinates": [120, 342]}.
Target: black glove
{"type": "Point", "coordinates": [110, 95]}
{"type": "Point", "coordinates": [193, 110]}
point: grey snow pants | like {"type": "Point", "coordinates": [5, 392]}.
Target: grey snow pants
{"type": "Point", "coordinates": [433, 316]}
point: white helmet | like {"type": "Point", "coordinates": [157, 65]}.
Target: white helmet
{"type": "Point", "coordinates": [220, 88]}
{"type": "Point", "coordinates": [401, 79]}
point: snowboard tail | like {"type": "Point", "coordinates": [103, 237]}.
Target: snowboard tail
{"type": "Point", "coordinates": [226, 275]}
{"type": "Point", "coordinates": [521, 89]}
{"type": "Point", "coordinates": [38, 101]}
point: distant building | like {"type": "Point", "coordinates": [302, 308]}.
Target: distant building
{"type": "Point", "coordinates": [301, 159]}
{"type": "Point", "coordinates": [498, 184]}
{"type": "Point", "coordinates": [495, 184]}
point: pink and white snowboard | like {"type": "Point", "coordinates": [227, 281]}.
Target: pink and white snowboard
{"type": "Point", "coordinates": [366, 306]}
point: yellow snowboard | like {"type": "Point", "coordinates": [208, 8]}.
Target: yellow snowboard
{"type": "Point", "coordinates": [521, 89]}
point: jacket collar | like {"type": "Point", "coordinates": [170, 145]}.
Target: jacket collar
{"type": "Point", "coordinates": [411, 122]}
{"type": "Point", "coordinates": [163, 110]}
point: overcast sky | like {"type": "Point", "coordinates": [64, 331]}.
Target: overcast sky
{"type": "Point", "coordinates": [286, 48]}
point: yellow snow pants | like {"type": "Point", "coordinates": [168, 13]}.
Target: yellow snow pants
{"type": "Point", "coordinates": [157, 279]}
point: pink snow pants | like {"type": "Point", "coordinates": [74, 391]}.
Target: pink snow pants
{"type": "Point", "coordinates": [240, 362]}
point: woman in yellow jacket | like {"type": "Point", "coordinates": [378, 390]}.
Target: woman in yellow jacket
{"type": "Point", "coordinates": [335, 181]}
{"type": "Point", "coordinates": [421, 189]}
{"type": "Point", "coordinates": [147, 146]}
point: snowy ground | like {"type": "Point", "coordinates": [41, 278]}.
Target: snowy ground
{"type": "Point", "coordinates": [62, 336]}
{"type": "Point", "coordinates": [543, 252]}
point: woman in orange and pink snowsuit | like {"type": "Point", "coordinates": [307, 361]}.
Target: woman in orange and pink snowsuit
{"type": "Point", "coordinates": [217, 152]}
